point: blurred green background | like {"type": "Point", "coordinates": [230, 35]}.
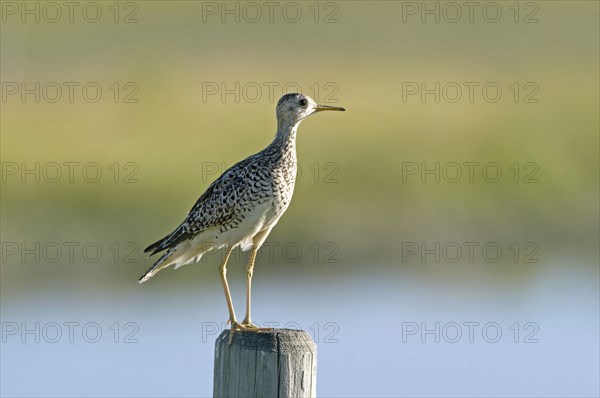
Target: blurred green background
{"type": "Point", "coordinates": [354, 210]}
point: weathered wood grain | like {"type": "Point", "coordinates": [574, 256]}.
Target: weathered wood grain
{"type": "Point", "coordinates": [273, 363]}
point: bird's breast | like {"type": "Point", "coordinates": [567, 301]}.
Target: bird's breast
{"type": "Point", "coordinates": [284, 182]}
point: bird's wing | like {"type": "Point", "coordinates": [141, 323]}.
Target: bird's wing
{"type": "Point", "coordinates": [216, 206]}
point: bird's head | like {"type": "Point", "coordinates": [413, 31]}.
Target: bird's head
{"type": "Point", "coordinates": [292, 108]}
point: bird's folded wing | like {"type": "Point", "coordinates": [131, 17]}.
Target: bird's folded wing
{"type": "Point", "coordinates": [216, 206]}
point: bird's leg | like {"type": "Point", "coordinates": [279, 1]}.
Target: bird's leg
{"type": "Point", "coordinates": [257, 242]}
{"type": "Point", "coordinates": [249, 271]}
{"type": "Point", "coordinates": [235, 325]}
{"type": "Point", "coordinates": [223, 274]}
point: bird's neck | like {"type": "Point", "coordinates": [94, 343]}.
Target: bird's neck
{"type": "Point", "coordinates": [285, 139]}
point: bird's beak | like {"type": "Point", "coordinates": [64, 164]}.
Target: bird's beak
{"type": "Point", "coordinates": [320, 108]}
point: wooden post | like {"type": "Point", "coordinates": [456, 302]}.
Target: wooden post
{"type": "Point", "coordinates": [273, 363]}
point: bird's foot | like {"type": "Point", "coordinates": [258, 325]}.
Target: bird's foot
{"type": "Point", "coordinates": [245, 326]}
{"type": "Point", "coordinates": [249, 325]}
{"type": "Point", "coordinates": [237, 327]}
{"type": "Point", "coordinates": [252, 327]}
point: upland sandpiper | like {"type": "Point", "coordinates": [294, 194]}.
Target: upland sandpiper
{"type": "Point", "coordinates": [242, 206]}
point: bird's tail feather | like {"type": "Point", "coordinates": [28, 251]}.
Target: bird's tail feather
{"type": "Point", "coordinates": [157, 266]}
{"type": "Point", "coordinates": [179, 255]}
{"type": "Point", "coordinates": [154, 246]}
{"type": "Point", "coordinates": [168, 241]}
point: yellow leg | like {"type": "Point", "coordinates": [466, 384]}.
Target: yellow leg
{"type": "Point", "coordinates": [247, 322]}
{"type": "Point", "coordinates": [257, 242]}
{"type": "Point", "coordinates": [223, 273]}
{"type": "Point", "coordinates": [246, 325]}
{"type": "Point", "coordinates": [235, 326]}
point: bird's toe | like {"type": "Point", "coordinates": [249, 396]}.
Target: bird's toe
{"type": "Point", "coordinates": [249, 325]}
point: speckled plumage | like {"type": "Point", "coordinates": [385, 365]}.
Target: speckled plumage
{"type": "Point", "coordinates": [266, 178]}
{"type": "Point", "coordinates": [242, 206]}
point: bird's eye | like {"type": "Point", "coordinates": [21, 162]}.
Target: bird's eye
{"type": "Point", "coordinates": [303, 102]}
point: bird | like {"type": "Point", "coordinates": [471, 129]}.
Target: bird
{"type": "Point", "coordinates": [241, 207]}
